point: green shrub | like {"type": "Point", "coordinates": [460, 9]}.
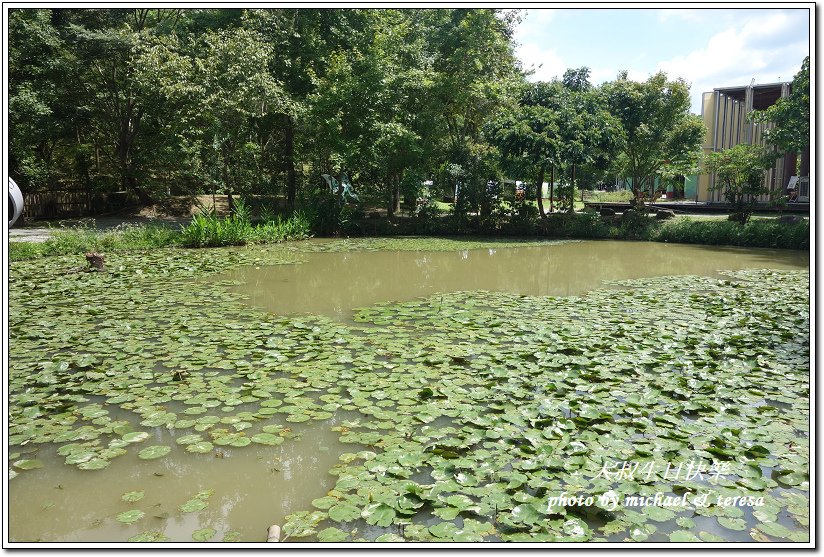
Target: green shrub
{"type": "Point", "coordinates": [761, 233]}
{"type": "Point", "coordinates": [620, 196]}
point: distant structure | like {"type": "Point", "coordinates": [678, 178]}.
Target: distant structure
{"type": "Point", "coordinates": [725, 111]}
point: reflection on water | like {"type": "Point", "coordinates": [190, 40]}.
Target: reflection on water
{"type": "Point", "coordinates": [254, 487]}
{"type": "Point", "coordinates": [334, 283]}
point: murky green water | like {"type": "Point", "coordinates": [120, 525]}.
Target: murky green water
{"type": "Point", "coordinates": [256, 486]}
{"type": "Point", "coordinates": [333, 284]}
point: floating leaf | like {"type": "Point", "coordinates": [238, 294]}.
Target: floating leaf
{"type": "Point", "coordinates": [132, 496]}
{"type": "Point", "coordinates": [683, 536]}
{"type": "Point", "coordinates": [332, 535]}
{"type": "Point", "coordinates": [128, 517]}
{"type": "Point", "coordinates": [155, 451]}
{"type": "Point", "coordinates": [204, 534]}
{"type": "Point", "coordinates": [267, 439]}
{"type": "Point", "coordinates": [30, 464]}
{"type": "Point", "coordinates": [378, 514]}
{"type": "Point", "coordinates": [344, 512]}
{"type": "Point", "coordinates": [193, 505]}
{"type": "Point", "coordinates": [150, 536]}
{"type": "Point", "coordinates": [135, 436]}
{"type": "Point", "coordinates": [200, 447]}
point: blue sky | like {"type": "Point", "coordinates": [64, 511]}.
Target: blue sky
{"type": "Point", "coordinates": [707, 47]}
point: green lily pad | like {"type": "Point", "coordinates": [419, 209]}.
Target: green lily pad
{"type": "Point", "coordinates": [132, 496]}
{"type": "Point", "coordinates": [344, 512]}
{"type": "Point", "coordinates": [155, 451]}
{"type": "Point", "coordinates": [149, 536]}
{"type": "Point", "coordinates": [135, 436]}
{"type": "Point", "coordinates": [204, 534]}
{"type": "Point", "coordinates": [200, 447]}
{"type": "Point", "coordinates": [193, 505]}
{"type": "Point", "coordinates": [332, 535]}
{"type": "Point", "coordinates": [378, 514]}
{"type": "Point", "coordinates": [267, 439]}
{"type": "Point", "coordinates": [129, 517]}
{"type": "Point", "coordinates": [28, 464]}
{"type": "Point", "coordinates": [683, 536]}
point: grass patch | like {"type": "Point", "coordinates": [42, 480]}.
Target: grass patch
{"type": "Point", "coordinates": [77, 240]}
{"type": "Point", "coordinates": [203, 231]}
{"type": "Point", "coordinates": [236, 230]}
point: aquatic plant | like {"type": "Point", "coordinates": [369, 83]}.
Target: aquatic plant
{"type": "Point", "coordinates": [466, 412]}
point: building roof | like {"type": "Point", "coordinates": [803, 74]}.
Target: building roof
{"type": "Point", "coordinates": [764, 95]}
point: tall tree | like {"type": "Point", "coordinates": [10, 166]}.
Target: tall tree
{"type": "Point", "coordinates": [657, 126]}
{"type": "Point", "coordinates": [790, 115]}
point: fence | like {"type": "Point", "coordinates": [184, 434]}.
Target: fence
{"type": "Point", "coordinates": [69, 203]}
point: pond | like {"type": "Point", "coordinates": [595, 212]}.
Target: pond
{"type": "Point", "coordinates": [418, 390]}
{"type": "Point", "coordinates": [334, 283]}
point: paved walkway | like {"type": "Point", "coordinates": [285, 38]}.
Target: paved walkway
{"type": "Point", "coordinates": [37, 232]}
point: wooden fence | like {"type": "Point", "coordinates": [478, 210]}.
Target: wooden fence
{"type": "Point", "coordinates": [71, 203]}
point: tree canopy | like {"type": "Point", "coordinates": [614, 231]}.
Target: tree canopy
{"type": "Point", "coordinates": [659, 131]}
{"type": "Point", "coordinates": [790, 115]}
{"type": "Point", "coordinates": [408, 103]}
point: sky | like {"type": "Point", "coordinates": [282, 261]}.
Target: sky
{"type": "Point", "coordinates": [709, 48]}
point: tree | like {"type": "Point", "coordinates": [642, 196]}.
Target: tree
{"type": "Point", "coordinates": [40, 115]}
{"type": "Point", "coordinates": [791, 115]}
{"type": "Point", "coordinates": [658, 129]}
{"type": "Point", "coordinates": [555, 127]}
{"type": "Point", "coordinates": [739, 173]}
{"type": "Point", "coordinates": [476, 74]}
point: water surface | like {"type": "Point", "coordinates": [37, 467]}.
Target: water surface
{"type": "Point", "coordinates": [333, 284]}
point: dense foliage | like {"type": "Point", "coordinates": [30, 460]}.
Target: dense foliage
{"type": "Point", "coordinates": [182, 101]}
{"type": "Point", "coordinates": [791, 115]}
{"type": "Point", "coordinates": [413, 105]}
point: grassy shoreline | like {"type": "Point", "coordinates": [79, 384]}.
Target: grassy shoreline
{"type": "Point", "coordinates": [214, 232]}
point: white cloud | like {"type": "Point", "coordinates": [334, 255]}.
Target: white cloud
{"type": "Point", "coordinates": [755, 48]}
{"type": "Point", "coordinates": [546, 63]}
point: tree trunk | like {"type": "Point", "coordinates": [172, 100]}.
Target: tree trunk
{"type": "Point", "coordinates": [142, 195]}
{"type": "Point", "coordinates": [572, 191]}
{"type": "Point", "coordinates": [289, 154]}
{"type": "Point", "coordinates": [538, 194]}
{"type": "Point", "coordinates": [551, 187]}
{"type": "Point", "coordinates": [396, 194]}
{"type": "Point", "coordinates": [229, 197]}
{"type": "Point", "coordinates": [390, 199]}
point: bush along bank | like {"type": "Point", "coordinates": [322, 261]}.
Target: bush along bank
{"type": "Point", "coordinates": [761, 233]}
{"type": "Point", "coordinates": [211, 231]}
{"type": "Point", "coordinates": [204, 231]}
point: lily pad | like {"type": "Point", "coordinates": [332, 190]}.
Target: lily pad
{"type": "Point", "coordinates": [332, 535]}
{"type": "Point", "coordinates": [133, 496]}
{"type": "Point", "coordinates": [204, 534]}
{"type": "Point", "coordinates": [193, 505]}
{"type": "Point", "coordinates": [155, 451]}
{"type": "Point", "coordinates": [129, 517]}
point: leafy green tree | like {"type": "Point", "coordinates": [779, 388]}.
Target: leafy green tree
{"type": "Point", "coordinates": [476, 76]}
{"type": "Point", "coordinates": [555, 127]}
{"type": "Point", "coordinates": [658, 129]}
{"type": "Point", "coordinates": [791, 115]}
{"type": "Point", "coordinates": [740, 175]}
{"type": "Point", "coordinates": [40, 115]}
{"type": "Point", "coordinates": [106, 42]}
